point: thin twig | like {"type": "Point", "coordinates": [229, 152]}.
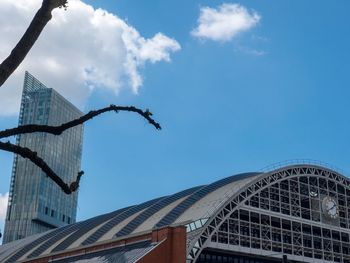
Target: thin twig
{"type": "Point", "coordinates": [57, 130]}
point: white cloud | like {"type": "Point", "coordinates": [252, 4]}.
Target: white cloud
{"type": "Point", "coordinates": [225, 22]}
{"type": "Point", "coordinates": [3, 207]}
{"type": "Point", "coordinates": [79, 50]}
{"type": "Point", "coordinates": [250, 51]}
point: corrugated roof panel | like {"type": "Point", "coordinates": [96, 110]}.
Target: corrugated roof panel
{"type": "Point", "coordinates": [186, 204]}
{"type": "Point", "coordinates": [131, 226]}
{"type": "Point", "coordinates": [33, 244]}
{"type": "Point", "coordinates": [116, 220]}
{"type": "Point", "coordinates": [75, 231]}
{"type": "Point", "coordinates": [8, 249]}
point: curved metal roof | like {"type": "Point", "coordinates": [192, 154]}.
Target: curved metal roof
{"type": "Point", "coordinates": [180, 208]}
{"type": "Point", "coordinates": [201, 239]}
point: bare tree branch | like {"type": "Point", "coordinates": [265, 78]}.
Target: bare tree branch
{"type": "Point", "coordinates": [29, 154]}
{"type": "Point", "coordinates": [20, 51]}
{"type": "Point", "coordinates": [57, 130]}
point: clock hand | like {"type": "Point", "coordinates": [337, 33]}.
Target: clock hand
{"type": "Point", "coordinates": [332, 207]}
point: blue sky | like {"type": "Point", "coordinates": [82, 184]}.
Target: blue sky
{"type": "Point", "coordinates": [276, 91]}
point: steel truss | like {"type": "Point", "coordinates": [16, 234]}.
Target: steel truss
{"type": "Point", "coordinates": [290, 198]}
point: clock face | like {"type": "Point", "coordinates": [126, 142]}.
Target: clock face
{"type": "Point", "coordinates": [330, 207]}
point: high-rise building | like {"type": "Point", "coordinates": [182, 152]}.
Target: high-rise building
{"type": "Point", "coordinates": [36, 204]}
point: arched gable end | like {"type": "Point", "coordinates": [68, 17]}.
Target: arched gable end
{"type": "Point", "coordinates": [284, 212]}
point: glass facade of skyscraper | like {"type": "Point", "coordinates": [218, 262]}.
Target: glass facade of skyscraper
{"type": "Point", "coordinates": [36, 203]}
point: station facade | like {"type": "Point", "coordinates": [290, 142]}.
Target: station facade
{"type": "Point", "coordinates": [300, 212]}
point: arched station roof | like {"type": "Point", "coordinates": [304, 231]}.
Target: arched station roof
{"type": "Point", "coordinates": [183, 207]}
{"type": "Point", "coordinates": [202, 209]}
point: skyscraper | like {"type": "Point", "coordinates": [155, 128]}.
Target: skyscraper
{"type": "Point", "coordinates": [35, 203]}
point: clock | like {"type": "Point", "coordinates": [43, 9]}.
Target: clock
{"type": "Point", "coordinates": [330, 207]}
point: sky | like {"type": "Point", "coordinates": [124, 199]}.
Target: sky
{"type": "Point", "coordinates": [236, 86]}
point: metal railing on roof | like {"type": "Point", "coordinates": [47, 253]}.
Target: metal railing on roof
{"type": "Point", "coordinates": [285, 163]}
